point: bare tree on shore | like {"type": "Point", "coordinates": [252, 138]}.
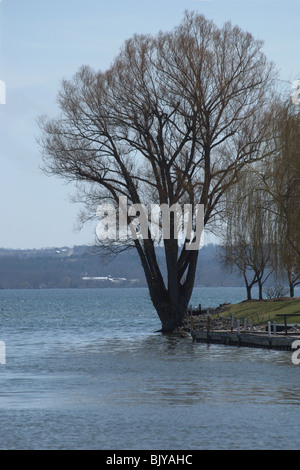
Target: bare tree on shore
{"type": "Point", "coordinates": [174, 120]}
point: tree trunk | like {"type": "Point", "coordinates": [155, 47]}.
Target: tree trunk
{"type": "Point", "coordinates": [249, 297]}
{"type": "Point", "coordinates": [291, 283]}
{"type": "Point", "coordinates": [249, 285]}
{"type": "Point", "coordinates": [171, 306]}
{"type": "Point", "coordinates": [171, 302]}
{"type": "Point", "coordinates": [171, 313]}
{"type": "Point", "coordinates": [260, 293]}
{"type": "Point", "coordinates": [171, 317]}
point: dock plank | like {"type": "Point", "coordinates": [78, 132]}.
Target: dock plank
{"type": "Point", "coordinates": [245, 339]}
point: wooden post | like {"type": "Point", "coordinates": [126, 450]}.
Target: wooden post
{"type": "Point", "coordinates": [238, 326]}
{"type": "Point", "coordinates": [245, 324]}
{"type": "Point", "coordinates": [269, 334]}
{"type": "Point", "coordinates": [232, 321]}
{"type": "Point", "coordinates": [191, 315]}
{"type": "Point", "coordinates": [269, 329]}
{"type": "Point", "coordinates": [251, 326]}
{"type": "Point", "coordinates": [285, 324]}
{"type": "Point", "coordinates": [208, 328]}
{"type": "Point", "coordinates": [274, 327]}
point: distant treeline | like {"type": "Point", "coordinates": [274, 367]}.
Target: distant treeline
{"type": "Point", "coordinates": [82, 266]}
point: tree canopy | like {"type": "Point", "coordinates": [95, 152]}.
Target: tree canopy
{"type": "Point", "coordinates": [174, 120]}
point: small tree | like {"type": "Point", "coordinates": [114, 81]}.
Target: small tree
{"type": "Point", "coordinates": [234, 257]}
{"type": "Point", "coordinates": [279, 178]}
{"type": "Point", "coordinates": [248, 239]}
{"type": "Point", "coordinates": [172, 121]}
{"type": "Point", "coordinates": [276, 292]}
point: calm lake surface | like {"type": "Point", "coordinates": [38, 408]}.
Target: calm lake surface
{"type": "Point", "coordinates": [85, 370]}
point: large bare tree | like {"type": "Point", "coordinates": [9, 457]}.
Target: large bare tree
{"type": "Point", "coordinates": [172, 121]}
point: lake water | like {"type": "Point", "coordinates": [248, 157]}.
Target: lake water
{"type": "Point", "coordinates": [85, 369]}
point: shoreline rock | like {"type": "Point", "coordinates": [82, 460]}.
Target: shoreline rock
{"type": "Point", "coordinates": [199, 322]}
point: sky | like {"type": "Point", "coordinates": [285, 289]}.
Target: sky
{"type": "Point", "coordinates": [43, 42]}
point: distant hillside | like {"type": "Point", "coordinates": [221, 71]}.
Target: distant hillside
{"type": "Point", "coordinates": [81, 267]}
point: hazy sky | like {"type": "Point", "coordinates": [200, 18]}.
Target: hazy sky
{"type": "Point", "coordinates": [43, 41]}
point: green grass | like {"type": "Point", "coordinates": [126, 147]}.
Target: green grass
{"type": "Point", "coordinates": [265, 310]}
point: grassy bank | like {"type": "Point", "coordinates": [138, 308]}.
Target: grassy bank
{"type": "Point", "coordinates": [262, 311]}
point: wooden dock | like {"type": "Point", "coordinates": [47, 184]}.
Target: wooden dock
{"type": "Point", "coordinates": [253, 340]}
